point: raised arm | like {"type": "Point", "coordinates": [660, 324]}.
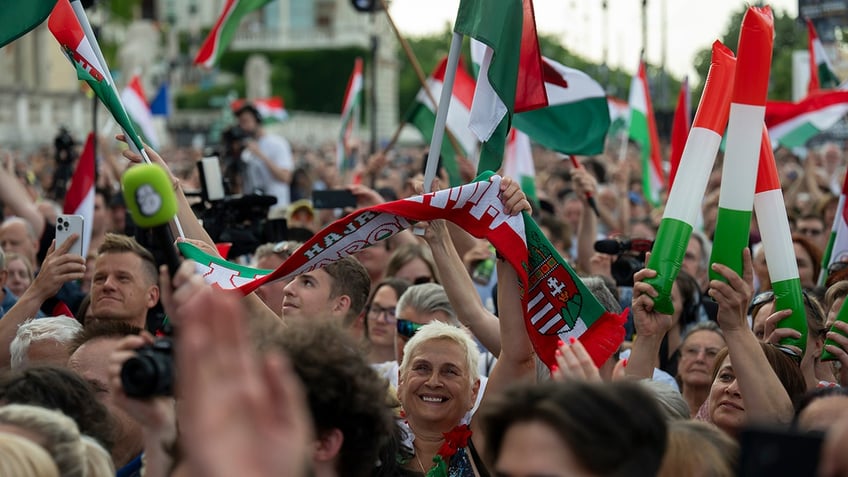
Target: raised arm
{"type": "Point", "coordinates": [651, 326]}
{"type": "Point", "coordinates": [765, 398]}
{"type": "Point", "coordinates": [58, 267]}
{"type": "Point", "coordinates": [15, 196]}
{"type": "Point", "coordinates": [583, 183]}
{"type": "Point", "coordinates": [460, 289]}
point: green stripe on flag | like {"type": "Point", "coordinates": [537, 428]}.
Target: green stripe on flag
{"type": "Point", "coordinates": [731, 233]}
{"type": "Point", "coordinates": [799, 135]}
{"type": "Point", "coordinates": [788, 296]}
{"type": "Point", "coordinates": [666, 258]}
{"type": "Point", "coordinates": [825, 263]}
{"type": "Point", "coordinates": [572, 128]}
{"type": "Point", "coordinates": [192, 252]}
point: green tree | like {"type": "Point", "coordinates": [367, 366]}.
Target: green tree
{"type": "Point", "coordinates": [789, 36]}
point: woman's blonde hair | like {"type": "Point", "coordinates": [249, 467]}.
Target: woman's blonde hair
{"type": "Point", "coordinates": [437, 330]}
{"type": "Point", "coordinates": [58, 433]}
{"type": "Point", "coordinates": [21, 457]}
{"type": "Point", "coordinates": [98, 462]}
{"type": "Point", "coordinates": [697, 448]}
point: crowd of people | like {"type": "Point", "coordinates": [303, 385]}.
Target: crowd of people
{"type": "Point", "coordinates": [406, 358]}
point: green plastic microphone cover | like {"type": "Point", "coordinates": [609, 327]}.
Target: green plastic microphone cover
{"type": "Point", "coordinates": [149, 195]}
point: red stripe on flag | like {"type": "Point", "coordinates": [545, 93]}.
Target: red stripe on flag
{"type": "Point", "coordinates": [83, 180]}
{"type": "Point", "coordinates": [767, 178]}
{"type": "Point", "coordinates": [814, 83]}
{"type": "Point", "coordinates": [64, 25]}
{"type": "Point", "coordinates": [212, 42]}
{"type": "Point", "coordinates": [463, 84]}
{"type": "Point", "coordinates": [530, 90]}
{"type": "Point", "coordinates": [781, 111]}
{"type": "Point", "coordinates": [135, 85]}
{"type": "Point", "coordinates": [679, 129]}
{"type": "Point", "coordinates": [653, 136]}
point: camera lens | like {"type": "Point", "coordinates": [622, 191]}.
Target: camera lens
{"type": "Point", "coordinates": [148, 374]}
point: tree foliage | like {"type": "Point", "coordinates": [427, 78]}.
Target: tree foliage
{"type": "Point", "coordinates": [790, 35]}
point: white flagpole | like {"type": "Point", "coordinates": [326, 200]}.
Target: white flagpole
{"type": "Point", "coordinates": [442, 112]}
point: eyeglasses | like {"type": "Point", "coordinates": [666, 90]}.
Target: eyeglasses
{"type": "Point", "coordinates": [694, 351]}
{"type": "Point", "coordinates": [406, 328]}
{"type": "Point", "coordinates": [811, 306]}
{"type": "Point", "coordinates": [422, 280]}
{"type": "Point", "coordinates": [836, 267]}
{"type": "Point", "coordinates": [375, 312]}
{"type": "Point", "coordinates": [761, 299]}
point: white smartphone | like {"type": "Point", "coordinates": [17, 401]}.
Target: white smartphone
{"type": "Point", "coordinates": [66, 225]}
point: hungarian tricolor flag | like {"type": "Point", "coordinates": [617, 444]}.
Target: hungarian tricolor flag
{"type": "Point", "coordinates": [271, 109]}
{"type": "Point", "coordinates": [222, 33]}
{"type": "Point", "coordinates": [837, 245]}
{"type": "Point", "coordinates": [577, 117]}
{"type": "Point", "coordinates": [557, 303]}
{"type": "Point", "coordinates": [821, 71]}
{"type": "Point", "coordinates": [643, 130]}
{"type": "Point", "coordinates": [422, 115]}
{"type": "Point", "coordinates": [81, 51]}
{"type": "Point", "coordinates": [619, 112]}
{"type": "Point", "coordinates": [793, 124]}
{"type": "Point", "coordinates": [139, 111]}
{"type": "Point", "coordinates": [350, 110]}
{"type": "Point", "coordinates": [680, 129]}
{"type": "Point", "coordinates": [80, 197]}
{"type": "Point", "coordinates": [20, 17]}
{"type": "Point", "coordinates": [510, 78]}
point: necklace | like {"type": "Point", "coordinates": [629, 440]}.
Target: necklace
{"type": "Point", "coordinates": [423, 471]}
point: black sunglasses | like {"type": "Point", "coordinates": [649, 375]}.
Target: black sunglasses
{"type": "Point", "coordinates": [406, 328]}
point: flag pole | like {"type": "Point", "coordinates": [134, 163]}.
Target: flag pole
{"type": "Point", "coordinates": [79, 11]}
{"type": "Point", "coordinates": [89, 32]}
{"type": "Point", "coordinates": [422, 78]}
{"type": "Point", "coordinates": [442, 112]}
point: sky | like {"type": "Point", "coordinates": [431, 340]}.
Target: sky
{"type": "Point", "coordinates": [692, 25]}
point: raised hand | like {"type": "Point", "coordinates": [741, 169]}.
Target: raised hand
{"type": "Point", "coordinates": [733, 296]}
{"type": "Point", "coordinates": [574, 363]}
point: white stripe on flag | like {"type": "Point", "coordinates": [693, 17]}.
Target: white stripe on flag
{"type": "Point", "coordinates": [700, 139]}
{"type": "Point", "coordinates": [487, 110]}
{"type": "Point", "coordinates": [743, 142]}
{"type": "Point", "coordinates": [777, 240]}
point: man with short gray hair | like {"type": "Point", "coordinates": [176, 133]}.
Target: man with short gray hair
{"type": "Point", "coordinates": [43, 341]}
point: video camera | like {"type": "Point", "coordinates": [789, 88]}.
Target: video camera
{"type": "Point", "coordinates": [630, 257]}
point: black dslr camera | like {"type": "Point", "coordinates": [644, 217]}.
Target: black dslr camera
{"type": "Point", "coordinates": [630, 257]}
{"type": "Point", "coordinates": [151, 371]}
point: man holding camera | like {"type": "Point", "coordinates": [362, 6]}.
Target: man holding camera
{"type": "Point", "coordinates": [267, 158]}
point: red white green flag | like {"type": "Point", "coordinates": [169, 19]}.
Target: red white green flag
{"type": "Point", "coordinates": [557, 303]}
{"type": "Point", "coordinates": [837, 245]}
{"type": "Point", "coordinates": [821, 71]}
{"type": "Point", "coordinates": [510, 76]}
{"type": "Point", "coordinates": [80, 50]}
{"type": "Point", "coordinates": [139, 111]}
{"type": "Point", "coordinates": [422, 115]}
{"type": "Point", "coordinates": [643, 130]}
{"type": "Point", "coordinates": [271, 109]}
{"type": "Point", "coordinates": [222, 33]}
{"type": "Point", "coordinates": [350, 109]}
{"type": "Point", "coordinates": [793, 124]}
{"type": "Point", "coordinates": [577, 117]}
{"type": "Point", "coordinates": [80, 197]}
